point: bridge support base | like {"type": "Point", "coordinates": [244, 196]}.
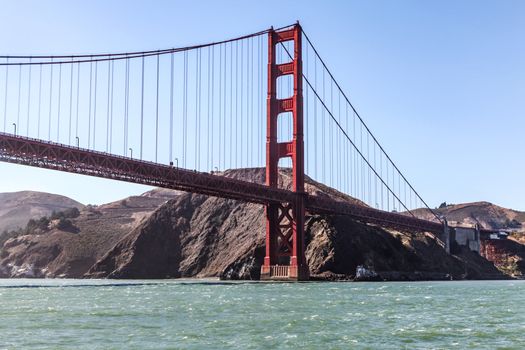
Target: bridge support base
{"type": "Point", "coordinates": [284, 273]}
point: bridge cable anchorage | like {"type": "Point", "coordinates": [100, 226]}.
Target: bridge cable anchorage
{"type": "Point", "coordinates": [365, 125]}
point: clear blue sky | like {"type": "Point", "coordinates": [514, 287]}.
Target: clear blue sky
{"type": "Point", "coordinates": [440, 83]}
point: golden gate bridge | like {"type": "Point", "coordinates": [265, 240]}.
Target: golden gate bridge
{"type": "Point", "coordinates": [177, 118]}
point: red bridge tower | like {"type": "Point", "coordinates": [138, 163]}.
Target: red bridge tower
{"type": "Point", "coordinates": [285, 258]}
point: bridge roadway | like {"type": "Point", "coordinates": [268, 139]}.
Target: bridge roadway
{"type": "Point", "coordinates": [55, 156]}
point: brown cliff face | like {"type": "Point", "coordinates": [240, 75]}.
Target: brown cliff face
{"type": "Point", "coordinates": [167, 234]}
{"type": "Point", "coordinates": [71, 251]}
{"type": "Point", "coordinates": [508, 255]}
{"type": "Point", "coordinates": [191, 236]}
{"type": "Point", "coordinates": [199, 236]}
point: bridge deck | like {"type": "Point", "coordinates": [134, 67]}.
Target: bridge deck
{"type": "Point", "coordinates": [49, 155]}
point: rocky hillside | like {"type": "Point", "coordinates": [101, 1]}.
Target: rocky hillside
{"type": "Point", "coordinates": [165, 234]}
{"type": "Point", "coordinates": [71, 251]}
{"type": "Point", "coordinates": [199, 236]}
{"type": "Point", "coordinates": [16, 208]}
{"type": "Point", "coordinates": [488, 215]}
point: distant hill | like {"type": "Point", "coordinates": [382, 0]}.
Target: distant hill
{"type": "Point", "coordinates": [488, 215]}
{"type": "Point", "coordinates": [16, 208]}
{"type": "Point", "coordinates": [70, 251]}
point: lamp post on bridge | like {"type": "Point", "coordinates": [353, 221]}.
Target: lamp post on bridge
{"type": "Point", "coordinates": [78, 141]}
{"type": "Point", "coordinates": [131, 152]}
{"type": "Point", "coordinates": [14, 124]}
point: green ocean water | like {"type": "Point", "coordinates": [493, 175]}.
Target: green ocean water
{"type": "Point", "coordinates": [194, 314]}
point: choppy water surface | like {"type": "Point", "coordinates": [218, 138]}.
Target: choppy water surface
{"type": "Point", "coordinates": [91, 314]}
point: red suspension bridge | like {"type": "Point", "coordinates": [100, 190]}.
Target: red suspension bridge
{"type": "Point", "coordinates": [176, 118]}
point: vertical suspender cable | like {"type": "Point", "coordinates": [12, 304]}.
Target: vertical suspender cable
{"type": "Point", "coordinates": [220, 105]}
{"type": "Point", "coordinates": [126, 108]}
{"type": "Point", "coordinates": [375, 178]}
{"type": "Point", "coordinates": [172, 78]}
{"type": "Point", "coordinates": [70, 102]}
{"type": "Point", "coordinates": [208, 98]}
{"type": "Point", "coordinates": [142, 110]}
{"type": "Point", "coordinates": [236, 100]}
{"type": "Point", "coordinates": [89, 109]}
{"type": "Point", "coordinates": [197, 106]}
{"type": "Point", "coordinates": [230, 163]}
{"type": "Point", "coordinates": [368, 157]}
{"type": "Point", "coordinates": [323, 131]}
{"type": "Point", "coordinates": [387, 192]}
{"type": "Point", "coordinates": [346, 169]}
{"type": "Point", "coordinates": [362, 168]}
{"type": "Point", "coordinates": [259, 115]}
{"type": "Point", "coordinates": [242, 111]}
{"type": "Point", "coordinates": [39, 101]}
{"type": "Point", "coordinates": [196, 141]}
{"type": "Point", "coordinates": [316, 149]}
{"type": "Point", "coordinates": [200, 146]}
{"type": "Point", "coordinates": [107, 106]}
{"type": "Point", "coordinates": [157, 113]}
{"type": "Point", "coordinates": [78, 101]}
{"type": "Point", "coordinates": [212, 105]}
{"type": "Point", "coordinates": [50, 101]}
{"type": "Point", "coordinates": [59, 101]}
{"type": "Point", "coordinates": [28, 99]}
{"type": "Point", "coordinates": [185, 109]}
{"type": "Point", "coordinates": [5, 92]}
{"type": "Point", "coordinates": [224, 111]}
{"type": "Point", "coordinates": [307, 134]}
{"type": "Point", "coordinates": [19, 95]}
{"type": "Point", "coordinates": [95, 105]}
{"type": "Point", "coordinates": [248, 102]}
{"type": "Point", "coordinates": [111, 108]}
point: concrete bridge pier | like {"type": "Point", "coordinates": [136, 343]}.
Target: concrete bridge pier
{"type": "Point", "coordinates": [446, 235]}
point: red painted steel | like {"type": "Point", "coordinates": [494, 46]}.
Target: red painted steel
{"type": "Point", "coordinates": [49, 155]}
{"type": "Point", "coordinates": [285, 220]}
{"type": "Point", "coordinates": [26, 151]}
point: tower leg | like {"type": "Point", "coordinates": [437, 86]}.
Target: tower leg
{"type": "Point", "coordinates": [285, 259]}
